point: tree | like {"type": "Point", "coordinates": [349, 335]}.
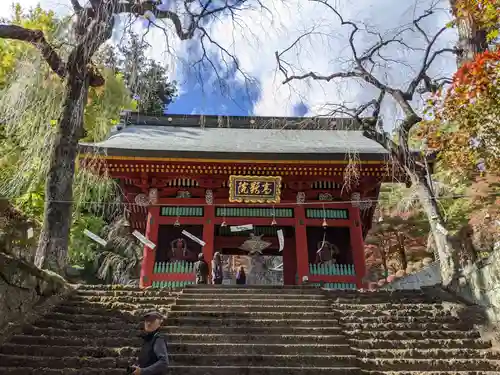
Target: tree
{"type": "Point", "coordinates": [366, 66]}
{"type": "Point", "coordinates": [92, 27]}
{"type": "Point", "coordinates": [146, 79]}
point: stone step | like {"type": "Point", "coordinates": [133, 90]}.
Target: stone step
{"type": "Point", "coordinates": [406, 326]}
{"type": "Point", "coordinates": [191, 370]}
{"type": "Point", "coordinates": [237, 309]}
{"type": "Point", "coordinates": [182, 359]}
{"type": "Point", "coordinates": [250, 294]}
{"type": "Point", "coordinates": [428, 353]}
{"type": "Point", "coordinates": [117, 306]}
{"type": "Point", "coordinates": [420, 344]}
{"type": "Point", "coordinates": [398, 319]}
{"type": "Point", "coordinates": [253, 301]}
{"type": "Point", "coordinates": [107, 311]}
{"type": "Point", "coordinates": [110, 317]}
{"type": "Point", "coordinates": [176, 348]}
{"type": "Point", "coordinates": [133, 331]}
{"type": "Point", "coordinates": [387, 306]}
{"type": "Point", "coordinates": [429, 364]}
{"type": "Point", "coordinates": [373, 312]}
{"type": "Point", "coordinates": [228, 314]}
{"type": "Point", "coordinates": [413, 335]}
{"type": "Point", "coordinates": [245, 322]}
{"type": "Point", "coordinates": [205, 337]}
{"type": "Point", "coordinates": [381, 300]}
{"type": "Point", "coordinates": [263, 288]}
{"type": "Point", "coordinates": [452, 372]}
{"type": "Point", "coordinates": [128, 293]}
{"type": "Point", "coordinates": [122, 299]}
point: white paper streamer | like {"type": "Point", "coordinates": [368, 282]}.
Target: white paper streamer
{"type": "Point", "coordinates": [95, 237]}
{"type": "Point", "coordinates": [241, 228]}
{"type": "Point", "coordinates": [30, 233]}
{"type": "Point", "coordinates": [281, 239]}
{"type": "Point", "coordinates": [193, 237]}
{"type": "Point", "coordinates": [143, 239]}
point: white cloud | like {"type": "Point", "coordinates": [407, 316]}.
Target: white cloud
{"type": "Point", "coordinates": [258, 33]}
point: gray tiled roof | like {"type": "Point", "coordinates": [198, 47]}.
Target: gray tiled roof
{"type": "Point", "coordinates": [234, 143]}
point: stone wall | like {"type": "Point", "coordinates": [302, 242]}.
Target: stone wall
{"type": "Point", "coordinates": [23, 288]}
{"type": "Point", "coordinates": [428, 276]}
{"type": "Point", "coordinates": [478, 284]}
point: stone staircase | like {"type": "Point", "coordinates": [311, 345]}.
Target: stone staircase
{"type": "Point", "coordinates": [254, 331]}
{"type": "Point", "coordinates": [409, 333]}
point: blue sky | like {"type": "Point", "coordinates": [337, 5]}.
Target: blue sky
{"type": "Point", "coordinates": [258, 34]}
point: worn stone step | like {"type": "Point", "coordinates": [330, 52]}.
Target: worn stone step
{"type": "Point", "coordinates": [452, 372]}
{"type": "Point", "coordinates": [155, 300]}
{"type": "Point", "coordinates": [387, 306]}
{"type": "Point", "coordinates": [429, 364]}
{"type": "Point", "coordinates": [248, 322]}
{"type": "Point", "coordinates": [117, 306]}
{"type": "Point", "coordinates": [128, 293]}
{"type": "Point", "coordinates": [205, 337]}
{"type": "Point", "coordinates": [420, 344]}
{"type": "Point", "coordinates": [392, 313]}
{"type": "Point", "coordinates": [413, 335]}
{"type": "Point", "coordinates": [406, 326]}
{"type": "Point", "coordinates": [115, 325]}
{"type": "Point", "coordinates": [133, 331]}
{"type": "Point", "coordinates": [190, 370]}
{"type": "Point", "coordinates": [381, 300]}
{"type": "Point", "coordinates": [237, 309]}
{"type": "Point", "coordinates": [428, 353]}
{"type": "Point", "coordinates": [108, 311]}
{"type": "Point", "coordinates": [174, 348]}
{"type": "Point", "coordinates": [249, 294]}
{"type": "Point", "coordinates": [253, 301]}
{"type": "Point", "coordinates": [112, 317]}
{"type": "Point", "coordinates": [398, 319]}
{"type": "Point", "coordinates": [181, 359]}
{"type": "Point", "coordinates": [228, 314]}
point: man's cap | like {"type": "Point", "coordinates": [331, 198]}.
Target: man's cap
{"type": "Point", "coordinates": [153, 314]}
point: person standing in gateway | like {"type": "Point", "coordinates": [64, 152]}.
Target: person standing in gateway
{"type": "Point", "coordinates": [217, 269]}
{"type": "Point", "coordinates": [201, 270]}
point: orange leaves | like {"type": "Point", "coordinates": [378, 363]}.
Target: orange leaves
{"type": "Point", "coordinates": [464, 122]}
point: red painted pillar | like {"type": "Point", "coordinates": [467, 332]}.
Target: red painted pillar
{"type": "Point", "coordinates": [357, 246]}
{"type": "Point", "coordinates": [209, 234]}
{"type": "Point", "coordinates": [149, 255]}
{"type": "Point", "coordinates": [301, 250]}
{"type": "Point", "coordinates": [289, 264]}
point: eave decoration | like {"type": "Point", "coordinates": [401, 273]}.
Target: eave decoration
{"type": "Point", "coordinates": [254, 189]}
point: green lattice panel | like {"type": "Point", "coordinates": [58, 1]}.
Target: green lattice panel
{"type": "Point", "coordinates": [332, 269]}
{"type": "Point", "coordinates": [173, 267]}
{"type": "Point", "coordinates": [181, 211]}
{"type": "Point", "coordinates": [329, 213]}
{"type": "Point", "coordinates": [253, 212]}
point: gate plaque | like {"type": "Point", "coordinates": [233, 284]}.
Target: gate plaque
{"type": "Point", "coordinates": [254, 189]}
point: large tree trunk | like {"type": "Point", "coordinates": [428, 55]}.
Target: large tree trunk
{"type": "Point", "coordinates": [471, 39]}
{"type": "Point", "coordinates": [444, 247]}
{"type": "Point", "coordinates": [54, 238]}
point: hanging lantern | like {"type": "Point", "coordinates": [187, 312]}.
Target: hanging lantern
{"type": "Point", "coordinates": [177, 223]}
{"type": "Point", "coordinates": [355, 198]}
{"type": "Point", "coordinates": [325, 224]}
{"type": "Point", "coordinates": [223, 224]}
{"type": "Point", "coordinates": [274, 223]}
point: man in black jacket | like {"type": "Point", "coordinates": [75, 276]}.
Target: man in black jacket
{"type": "Point", "coordinates": [153, 357]}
